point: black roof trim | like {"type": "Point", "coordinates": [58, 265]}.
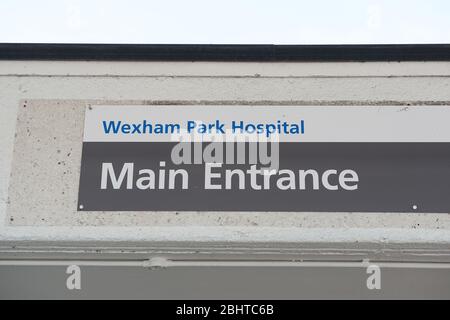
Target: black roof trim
{"type": "Point", "coordinates": [201, 52]}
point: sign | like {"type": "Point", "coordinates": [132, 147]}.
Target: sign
{"type": "Point", "coordinates": [266, 158]}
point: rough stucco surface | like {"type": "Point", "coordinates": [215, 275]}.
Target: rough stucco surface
{"type": "Point", "coordinates": [41, 154]}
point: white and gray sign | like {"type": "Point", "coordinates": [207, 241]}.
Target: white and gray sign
{"type": "Point", "coordinates": [266, 158]}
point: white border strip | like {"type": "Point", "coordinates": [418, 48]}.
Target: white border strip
{"type": "Point", "coordinates": [321, 123]}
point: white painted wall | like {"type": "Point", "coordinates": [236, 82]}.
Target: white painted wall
{"type": "Point", "coordinates": [60, 90]}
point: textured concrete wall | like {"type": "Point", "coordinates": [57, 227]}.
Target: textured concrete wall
{"type": "Point", "coordinates": [41, 124]}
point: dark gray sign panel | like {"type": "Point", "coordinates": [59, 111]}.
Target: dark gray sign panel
{"type": "Point", "coordinates": [136, 171]}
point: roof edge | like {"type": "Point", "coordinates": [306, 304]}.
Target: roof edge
{"type": "Point", "coordinates": [224, 52]}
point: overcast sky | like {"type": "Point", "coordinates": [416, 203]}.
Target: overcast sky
{"type": "Point", "coordinates": [227, 21]}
